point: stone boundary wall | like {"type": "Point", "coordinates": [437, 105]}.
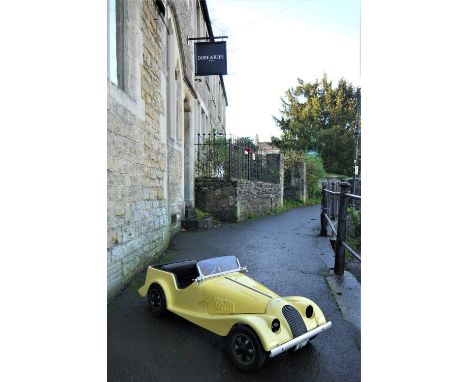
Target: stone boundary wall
{"type": "Point", "coordinates": [257, 198]}
{"type": "Point", "coordinates": [236, 200]}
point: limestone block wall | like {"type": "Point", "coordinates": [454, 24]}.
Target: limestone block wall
{"type": "Point", "coordinates": [184, 10]}
{"type": "Point", "coordinates": [175, 194]}
{"type": "Point", "coordinates": [236, 200]}
{"type": "Point", "coordinates": [146, 163]}
{"type": "Point", "coordinates": [138, 218]}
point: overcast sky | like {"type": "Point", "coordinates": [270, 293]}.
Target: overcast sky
{"type": "Point", "coordinates": [271, 43]}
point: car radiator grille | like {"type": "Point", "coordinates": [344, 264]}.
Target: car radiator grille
{"type": "Point", "coordinates": [294, 320]}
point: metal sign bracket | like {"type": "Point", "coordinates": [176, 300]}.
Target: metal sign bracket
{"type": "Point", "coordinates": [206, 38]}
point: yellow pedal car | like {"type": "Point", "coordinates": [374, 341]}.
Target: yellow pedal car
{"type": "Point", "coordinates": [216, 295]}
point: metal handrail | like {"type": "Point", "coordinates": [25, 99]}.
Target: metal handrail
{"type": "Point", "coordinates": [332, 205]}
{"type": "Point", "coordinates": [337, 193]}
{"type": "Point", "coordinates": [354, 196]}
{"type": "Point", "coordinates": [331, 223]}
{"type": "Point", "coordinates": [351, 250]}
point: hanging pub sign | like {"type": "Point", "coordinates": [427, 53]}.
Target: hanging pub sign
{"type": "Point", "coordinates": [210, 58]}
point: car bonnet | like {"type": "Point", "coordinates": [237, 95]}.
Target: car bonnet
{"type": "Point", "coordinates": [236, 293]}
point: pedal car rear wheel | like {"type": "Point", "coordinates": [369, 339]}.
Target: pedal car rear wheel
{"type": "Point", "coordinates": [245, 348]}
{"type": "Point", "coordinates": [156, 300]}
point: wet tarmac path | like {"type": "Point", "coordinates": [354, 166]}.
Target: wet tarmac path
{"type": "Point", "coordinates": [282, 252]}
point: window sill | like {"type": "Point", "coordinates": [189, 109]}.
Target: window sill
{"type": "Point", "coordinates": [136, 107]}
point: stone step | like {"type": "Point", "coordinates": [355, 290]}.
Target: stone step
{"type": "Point", "coordinates": [200, 224]}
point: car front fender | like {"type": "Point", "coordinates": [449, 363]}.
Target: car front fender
{"type": "Point", "coordinates": [301, 303]}
{"type": "Point", "coordinates": [261, 324]}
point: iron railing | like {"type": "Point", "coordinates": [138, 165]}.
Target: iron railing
{"type": "Point", "coordinates": [343, 219]}
{"type": "Point", "coordinates": [232, 158]}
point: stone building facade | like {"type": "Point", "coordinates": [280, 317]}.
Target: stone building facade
{"type": "Point", "coordinates": [265, 148]}
{"type": "Point", "coordinates": [155, 108]}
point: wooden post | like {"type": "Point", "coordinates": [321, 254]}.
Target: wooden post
{"type": "Point", "coordinates": [333, 201]}
{"type": "Point", "coordinates": [323, 219]}
{"type": "Point", "coordinates": [341, 229]}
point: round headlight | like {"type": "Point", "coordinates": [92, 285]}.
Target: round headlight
{"type": "Point", "coordinates": [309, 311]}
{"type": "Point", "coordinates": [275, 325]}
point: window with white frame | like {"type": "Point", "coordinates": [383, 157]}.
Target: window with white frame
{"type": "Point", "coordinates": [116, 42]}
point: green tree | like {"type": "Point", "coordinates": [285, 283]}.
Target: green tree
{"type": "Point", "coordinates": [321, 117]}
{"type": "Point", "coordinates": [244, 142]}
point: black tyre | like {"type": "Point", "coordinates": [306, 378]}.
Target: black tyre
{"type": "Point", "coordinates": [156, 300]}
{"type": "Point", "coordinates": [245, 348]}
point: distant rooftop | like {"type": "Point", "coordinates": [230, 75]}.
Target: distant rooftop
{"type": "Point", "coordinates": [265, 147]}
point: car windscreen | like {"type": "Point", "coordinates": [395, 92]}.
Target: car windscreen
{"type": "Point", "coordinates": [218, 265]}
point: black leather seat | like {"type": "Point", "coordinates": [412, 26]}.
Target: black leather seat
{"type": "Point", "coordinates": [184, 272]}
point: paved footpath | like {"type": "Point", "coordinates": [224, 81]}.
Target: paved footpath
{"type": "Point", "coordinates": [282, 252]}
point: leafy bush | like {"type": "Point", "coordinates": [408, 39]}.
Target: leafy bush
{"type": "Point", "coordinates": [313, 201]}
{"type": "Point", "coordinates": [291, 203]}
{"type": "Point", "coordinates": [315, 172]}
{"type": "Point", "coordinates": [355, 216]}
{"type": "Point", "coordinates": [287, 205]}
{"type": "Point", "coordinates": [354, 228]}
{"type": "Point", "coordinates": [199, 214]}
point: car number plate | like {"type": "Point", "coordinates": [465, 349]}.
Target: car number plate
{"type": "Point", "coordinates": [301, 345]}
